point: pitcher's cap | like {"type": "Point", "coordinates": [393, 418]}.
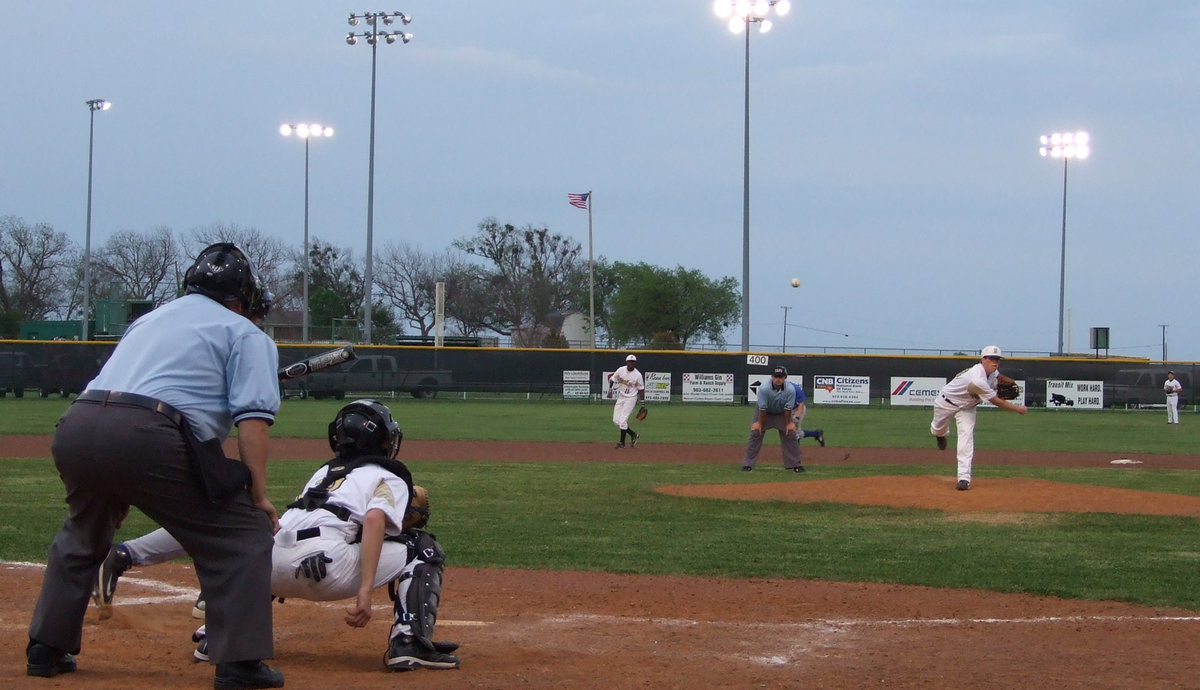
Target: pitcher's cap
{"type": "Point", "coordinates": [992, 351]}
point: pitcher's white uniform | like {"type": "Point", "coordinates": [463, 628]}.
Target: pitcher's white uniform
{"type": "Point", "coordinates": [958, 399]}
{"type": "Point", "coordinates": [627, 384]}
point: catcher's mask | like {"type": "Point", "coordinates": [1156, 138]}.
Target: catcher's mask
{"type": "Point", "coordinates": [365, 427]}
{"type": "Point", "coordinates": [223, 272]}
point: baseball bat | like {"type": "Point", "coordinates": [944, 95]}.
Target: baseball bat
{"type": "Point", "coordinates": [316, 363]}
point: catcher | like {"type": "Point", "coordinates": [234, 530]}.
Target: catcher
{"type": "Point", "coordinates": [960, 397]}
{"type": "Point", "coordinates": [354, 528]}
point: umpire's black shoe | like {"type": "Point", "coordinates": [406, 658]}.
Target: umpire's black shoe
{"type": "Point", "coordinates": [941, 440]}
{"type": "Point", "coordinates": [747, 468]}
{"type": "Point", "coordinates": [407, 654]}
{"type": "Point", "coordinates": [247, 674]}
{"type": "Point", "coordinates": [798, 468]}
{"type": "Point", "coordinates": [45, 661]}
{"type": "Point", "coordinates": [963, 485]}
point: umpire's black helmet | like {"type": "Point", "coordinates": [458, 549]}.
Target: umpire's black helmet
{"type": "Point", "coordinates": [224, 273]}
{"type": "Point", "coordinates": [365, 427]}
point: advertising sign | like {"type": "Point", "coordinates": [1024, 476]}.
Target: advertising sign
{"type": "Point", "coordinates": [916, 391]}
{"type": "Point", "coordinates": [841, 390]}
{"type": "Point", "coordinates": [658, 386]}
{"type": "Point", "coordinates": [705, 387]}
{"type": "Point", "coordinates": [1074, 395]}
{"type": "Point", "coordinates": [576, 385]}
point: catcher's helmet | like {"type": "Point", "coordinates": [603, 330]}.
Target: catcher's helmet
{"type": "Point", "coordinates": [365, 427]}
{"type": "Point", "coordinates": [222, 272]}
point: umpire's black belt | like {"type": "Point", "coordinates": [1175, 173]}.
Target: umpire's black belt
{"type": "Point", "coordinates": [104, 397]}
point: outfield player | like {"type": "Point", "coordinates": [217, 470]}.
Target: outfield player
{"type": "Point", "coordinates": [798, 413]}
{"type": "Point", "coordinates": [958, 400]}
{"type": "Point", "coordinates": [354, 528]}
{"type": "Point", "coordinates": [179, 379]}
{"type": "Point", "coordinates": [630, 389]}
{"type": "Point", "coordinates": [774, 410]}
{"type": "Point", "coordinates": [1172, 387]}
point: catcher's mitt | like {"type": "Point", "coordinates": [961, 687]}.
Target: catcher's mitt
{"type": "Point", "coordinates": [418, 510]}
{"type": "Point", "coordinates": [1008, 390]}
{"type": "Point", "coordinates": [641, 413]}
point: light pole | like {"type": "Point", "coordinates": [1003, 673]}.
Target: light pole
{"type": "Point", "coordinates": [1064, 145]}
{"type": "Point", "coordinates": [741, 14]}
{"type": "Point", "coordinates": [306, 132]}
{"type": "Point", "coordinates": [373, 34]}
{"type": "Point", "coordinates": [1163, 326]}
{"type": "Point", "coordinates": [785, 311]}
{"type": "Point", "coordinates": [93, 105]}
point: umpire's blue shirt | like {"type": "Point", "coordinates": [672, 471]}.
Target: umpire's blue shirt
{"type": "Point", "coordinates": [210, 363]}
{"type": "Point", "coordinates": [776, 401]}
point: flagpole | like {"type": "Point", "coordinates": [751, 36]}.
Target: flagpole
{"type": "Point", "coordinates": [591, 276]}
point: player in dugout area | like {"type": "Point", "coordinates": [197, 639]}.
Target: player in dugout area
{"type": "Point", "coordinates": [356, 526]}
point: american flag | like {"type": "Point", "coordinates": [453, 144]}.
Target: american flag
{"type": "Point", "coordinates": [579, 200]}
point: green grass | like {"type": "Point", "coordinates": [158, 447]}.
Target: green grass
{"type": "Point", "coordinates": [445, 418]}
{"type": "Point", "coordinates": [608, 517]}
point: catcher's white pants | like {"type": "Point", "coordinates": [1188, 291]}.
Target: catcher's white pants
{"type": "Point", "coordinates": [622, 409]}
{"type": "Point", "coordinates": [964, 423]}
{"type": "Point", "coordinates": [1172, 409]}
{"type": "Point", "coordinates": [342, 575]}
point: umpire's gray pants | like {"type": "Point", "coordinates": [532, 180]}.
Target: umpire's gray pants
{"type": "Point", "coordinates": [791, 446]}
{"type": "Point", "coordinates": [112, 456]}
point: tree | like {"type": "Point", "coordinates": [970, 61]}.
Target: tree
{"type": "Point", "coordinates": [644, 304]}
{"type": "Point", "coordinates": [531, 275]}
{"type": "Point", "coordinates": [146, 266]}
{"type": "Point", "coordinates": [36, 265]}
{"type": "Point", "coordinates": [408, 277]}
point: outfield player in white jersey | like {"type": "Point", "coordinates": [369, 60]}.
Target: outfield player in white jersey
{"type": "Point", "coordinates": [959, 398]}
{"type": "Point", "coordinates": [630, 389]}
{"type": "Point", "coordinates": [354, 528]}
{"type": "Point", "coordinates": [1172, 387]}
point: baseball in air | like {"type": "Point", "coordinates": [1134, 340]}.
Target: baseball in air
{"type": "Point", "coordinates": [795, 282]}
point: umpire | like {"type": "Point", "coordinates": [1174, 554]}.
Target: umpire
{"type": "Point", "coordinates": [147, 433]}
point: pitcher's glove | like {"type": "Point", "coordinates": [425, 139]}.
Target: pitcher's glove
{"type": "Point", "coordinates": [1007, 389]}
{"type": "Point", "coordinates": [642, 412]}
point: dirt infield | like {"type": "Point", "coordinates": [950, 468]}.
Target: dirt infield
{"type": "Point", "coordinates": [585, 630]}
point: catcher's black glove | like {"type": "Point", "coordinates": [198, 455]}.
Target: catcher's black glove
{"type": "Point", "coordinates": [313, 567]}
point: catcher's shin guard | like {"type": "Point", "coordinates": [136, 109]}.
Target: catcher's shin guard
{"type": "Point", "coordinates": [417, 595]}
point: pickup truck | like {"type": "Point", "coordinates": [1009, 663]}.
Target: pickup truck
{"type": "Point", "coordinates": [370, 374]}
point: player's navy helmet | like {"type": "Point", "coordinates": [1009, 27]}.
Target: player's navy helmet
{"type": "Point", "coordinates": [224, 273]}
{"type": "Point", "coordinates": [365, 427]}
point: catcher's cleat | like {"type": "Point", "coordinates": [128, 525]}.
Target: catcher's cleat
{"type": "Point", "coordinates": [941, 441]}
{"type": "Point", "coordinates": [619, 446]}
{"type": "Point", "coordinates": [200, 654]}
{"type": "Point", "coordinates": [963, 485]}
{"type": "Point", "coordinates": [821, 437]}
{"type": "Point", "coordinates": [45, 661]}
{"type": "Point", "coordinates": [114, 565]}
{"type": "Point", "coordinates": [406, 654]}
{"type": "Point", "coordinates": [633, 441]}
{"type": "Point", "coordinates": [198, 609]}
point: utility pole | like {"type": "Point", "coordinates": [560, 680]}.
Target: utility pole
{"type": "Point", "coordinates": [785, 311]}
{"type": "Point", "coordinates": [1163, 326]}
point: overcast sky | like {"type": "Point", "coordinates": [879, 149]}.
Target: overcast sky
{"type": "Point", "coordinates": [894, 147]}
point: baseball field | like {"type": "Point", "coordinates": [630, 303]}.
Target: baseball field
{"type": "Point", "coordinates": [1074, 560]}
